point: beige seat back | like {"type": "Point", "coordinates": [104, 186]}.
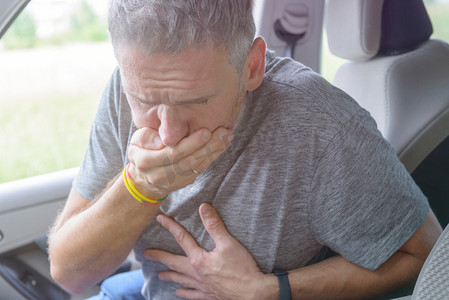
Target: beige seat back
{"type": "Point", "coordinates": [394, 71]}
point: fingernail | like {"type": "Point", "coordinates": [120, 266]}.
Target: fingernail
{"type": "Point", "coordinates": [157, 141]}
{"type": "Point", "coordinates": [226, 135]}
{"type": "Point", "coordinates": [230, 135]}
{"type": "Point", "coordinates": [206, 135]}
{"type": "Point", "coordinates": [206, 210]}
{"type": "Point", "coordinates": [147, 255]}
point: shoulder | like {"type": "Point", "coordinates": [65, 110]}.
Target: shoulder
{"type": "Point", "coordinates": [291, 83]}
{"type": "Point", "coordinates": [113, 105]}
{"type": "Point", "coordinates": [113, 93]}
{"type": "Point", "coordinates": [302, 102]}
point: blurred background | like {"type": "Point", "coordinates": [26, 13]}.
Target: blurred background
{"type": "Point", "coordinates": [55, 61]}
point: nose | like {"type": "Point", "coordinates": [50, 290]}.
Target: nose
{"type": "Point", "coordinates": [172, 127]}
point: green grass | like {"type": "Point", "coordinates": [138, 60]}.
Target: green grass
{"type": "Point", "coordinates": [49, 98]}
{"type": "Point", "coordinates": [439, 15]}
{"type": "Point", "coordinates": [329, 62]}
{"type": "Point", "coordinates": [42, 136]}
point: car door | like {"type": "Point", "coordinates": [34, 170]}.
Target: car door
{"type": "Point", "coordinates": [45, 116]}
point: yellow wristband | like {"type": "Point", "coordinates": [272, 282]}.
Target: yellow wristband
{"type": "Point", "coordinates": [134, 192]}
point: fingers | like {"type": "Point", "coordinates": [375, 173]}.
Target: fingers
{"type": "Point", "coordinates": [203, 157]}
{"type": "Point", "coordinates": [191, 294]}
{"type": "Point", "coordinates": [171, 168]}
{"type": "Point", "coordinates": [186, 146]}
{"type": "Point", "coordinates": [214, 225]}
{"type": "Point", "coordinates": [148, 139]}
{"type": "Point", "coordinates": [205, 146]}
{"type": "Point", "coordinates": [174, 262]}
{"type": "Point", "coordinates": [182, 237]}
{"type": "Point", "coordinates": [181, 272]}
{"type": "Point", "coordinates": [181, 279]}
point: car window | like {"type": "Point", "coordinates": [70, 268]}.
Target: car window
{"type": "Point", "coordinates": [54, 63]}
{"type": "Point", "coordinates": [438, 11]}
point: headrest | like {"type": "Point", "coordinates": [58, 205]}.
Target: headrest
{"type": "Point", "coordinates": [354, 27]}
{"type": "Point", "coordinates": [360, 29]}
{"type": "Point", "coordinates": [405, 25]}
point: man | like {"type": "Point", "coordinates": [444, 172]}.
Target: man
{"type": "Point", "coordinates": [251, 162]}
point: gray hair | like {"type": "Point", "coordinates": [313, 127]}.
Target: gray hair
{"type": "Point", "coordinates": [169, 26]}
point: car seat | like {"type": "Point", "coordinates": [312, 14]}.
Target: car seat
{"type": "Point", "coordinates": [432, 283]}
{"type": "Point", "coordinates": [401, 76]}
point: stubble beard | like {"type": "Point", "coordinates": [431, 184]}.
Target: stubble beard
{"type": "Point", "coordinates": [238, 111]}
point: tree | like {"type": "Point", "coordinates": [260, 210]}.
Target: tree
{"type": "Point", "coordinates": [86, 25]}
{"type": "Point", "coordinates": [22, 33]}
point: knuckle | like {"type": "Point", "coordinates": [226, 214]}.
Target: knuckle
{"type": "Point", "coordinates": [137, 137]}
{"type": "Point", "coordinates": [157, 179]}
{"type": "Point", "coordinates": [137, 156]}
{"type": "Point", "coordinates": [145, 137]}
{"type": "Point", "coordinates": [146, 134]}
{"type": "Point", "coordinates": [172, 266]}
{"type": "Point", "coordinates": [191, 162]}
{"type": "Point", "coordinates": [213, 223]}
{"type": "Point", "coordinates": [197, 262]}
{"type": "Point", "coordinates": [132, 151]}
{"type": "Point", "coordinates": [227, 249]}
{"type": "Point", "coordinates": [202, 165]}
{"type": "Point", "coordinates": [179, 235]}
{"type": "Point", "coordinates": [171, 155]}
{"type": "Point", "coordinates": [142, 165]}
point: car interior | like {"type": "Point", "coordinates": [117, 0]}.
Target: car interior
{"type": "Point", "coordinates": [393, 69]}
{"type": "Point", "coordinates": [401, 76]}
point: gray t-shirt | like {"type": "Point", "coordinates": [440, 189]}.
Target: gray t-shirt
{"type": "Point", "coordinates": [307, 171]}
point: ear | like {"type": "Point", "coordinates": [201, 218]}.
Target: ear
{"type": "Point", "coordinates": [254, 68]}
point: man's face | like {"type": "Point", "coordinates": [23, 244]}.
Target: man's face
{"type": "Point", "coordinates": [179, 94]}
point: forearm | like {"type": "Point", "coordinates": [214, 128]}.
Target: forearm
{"type": "Point", "coordinates": [92, 244]}
{"type": "Point", "coordinates": [336, 278]}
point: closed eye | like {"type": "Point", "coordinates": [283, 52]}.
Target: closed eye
{"type": "Point", "coordinates": [194, 102]}
{"type": "Point", "coordinates": [202, 101]}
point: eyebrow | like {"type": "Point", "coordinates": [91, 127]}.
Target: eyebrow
{"type": "Point", "coordinates": [183, 102]}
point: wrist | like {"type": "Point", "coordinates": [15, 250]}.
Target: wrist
{"type": "Point", "coordinates": [267, 288]}
{"type": "Point", "coordinates": [139, 188]}
{"type": "Point", "coordinates": [285, 292]}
